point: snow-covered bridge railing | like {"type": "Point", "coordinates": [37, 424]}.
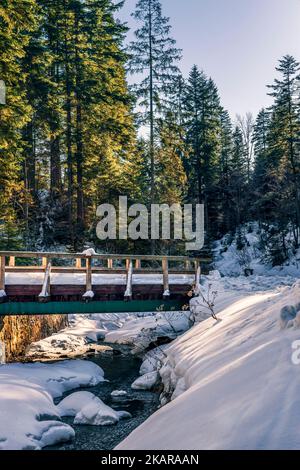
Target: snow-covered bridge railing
{"type": "Point", "coordinates": [97, 279]}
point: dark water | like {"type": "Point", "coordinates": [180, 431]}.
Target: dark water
{"type": "Point", "coordinates": [121, 371]}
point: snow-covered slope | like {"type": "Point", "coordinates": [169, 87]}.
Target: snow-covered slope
{"type": "Point", "coordinates": [251, 249]}
{"type": "Point", "coordinates": [236, 381]}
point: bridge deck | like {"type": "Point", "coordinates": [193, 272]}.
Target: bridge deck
{"type": "Point", "coordinates": [93, 283]}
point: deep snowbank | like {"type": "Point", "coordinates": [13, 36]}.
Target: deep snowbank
{"type": "Point", "coordinates": [233, 381]}
{"type": "Point", "coordinates": [28, 417]}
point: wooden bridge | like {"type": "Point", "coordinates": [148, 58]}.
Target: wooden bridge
{"type": "Point", "coordinates": [58, 283]}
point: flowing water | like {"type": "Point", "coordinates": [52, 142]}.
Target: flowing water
{"type": "Point", "coordinates": [121, 370]}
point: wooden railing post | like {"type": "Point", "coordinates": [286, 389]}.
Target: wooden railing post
{"type": "Point", "coordinates": [2, 278]}
{"type": "Point", "coordinates": [44, 262]}
{"type": "Point", "coordinates": [89, 294]}
{"type": "Point", "coordinates": [197, 288]}
{"type": "Point", "coordinates": [187, 265]}
{"type": "Point", "coordinates": [165, 268]}
{"type": "Point", "coordinates": [12, 261]}
{"type": "Point", "coordinates": [137, 264]}
{"type": "Point", "coordinates": [110, 263]}
{"type": "Point", "coordinates": [78, 263]}
{"type": "Point", "coordinates": [45, 293]}
{"type": "Point", "coordinates": [128, 292]}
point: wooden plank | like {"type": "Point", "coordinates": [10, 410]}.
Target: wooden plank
{"type": "Point", "coordinates": [12, 261]}
{"type": "Point", "coordinates": [78, 263]}
{"type": "Point", "coordinates": [165, 268]}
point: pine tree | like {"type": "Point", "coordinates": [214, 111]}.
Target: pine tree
{"type": "Point", "coordinates": [154, 54]}
{"type": "Point", "coordinates": [238, 179]}
{"type": "Point", "coordinates": [202, 122]}
{"type": "Point", "coordinates": [284, 134]}
{"type": "Point", "coordinates": [17, 21]}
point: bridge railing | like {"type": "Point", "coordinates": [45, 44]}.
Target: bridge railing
{"type": "Point", "coordinates": [91, 263]}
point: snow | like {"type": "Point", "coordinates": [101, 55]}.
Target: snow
{"type": "Point", "coordinates": [73, 340]}
{"type": "Point", "coordinates": [146, 381]}
{"type": "Point", "coordinates": [88, 294]}
{"type": "Point", "coordinates": [89, 252]}
{"type": "Point", "coordinates": [231, 261]}
{"type": "Point", "coordinates": [232, 382]}
{"type": "Point", "coordinates": [78, 279]}
{"type": "Point", "coordinates": [153, 359]}
{"type": "Point", "coordinates": [141, 332]}
{"type": "Point", "coordinates": [2, 293]}
{"type": "Point", "coordinates": [89, 409]}
{"type": "Point", "coordinates": [82, 334]}
{"type": "Point", "coordinates": [118, 393]}
{"type": "Point", "coordinates": [28, 417]}
{"type": "Point", "coordinates": [72, 404]}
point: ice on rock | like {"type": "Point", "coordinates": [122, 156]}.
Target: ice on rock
{"type": "Point", "coordinates": [146, 382]}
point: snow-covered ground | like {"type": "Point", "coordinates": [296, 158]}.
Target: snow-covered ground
{"type": "Point", "coordinates": [28, 417]}
{"type": "Point", "coordinates": [82, 333]}
{"type": "Point", "coordinates": [231, 381]}
{"type": "Point", "coordinates": [254, 253]}
{"type": "Point", "coordinates": [135, 330]}
{"type": "Point", "coordinates": [234, 382]}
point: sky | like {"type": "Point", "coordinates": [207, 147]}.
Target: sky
{"type": "Point", "coordinates": [236, 42]}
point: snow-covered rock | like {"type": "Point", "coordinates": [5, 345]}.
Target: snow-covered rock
{"type": "Point", "coordinates": [153, 359]}
{"type": "Point", "coordinates": [118, 393]}
{"type": "Point", "coordinates": [28, 417]}
{"type": "Point", "coordinates": [74, 403]}
{"type": "Point", "coordinates": [140, 332]}
{"type": "Point", "coordinates": [89, 409]}
{"type": "Point", "coordinates": [146, 381]}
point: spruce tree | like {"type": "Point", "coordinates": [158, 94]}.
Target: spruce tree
{"type": "Point", "coordinates": [154, 55]}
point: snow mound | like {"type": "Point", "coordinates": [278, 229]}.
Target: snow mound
{"type": "Point", "coordinates": [146, 382]}
{"type": "Point", "coordinates": [118, 393]}
{"type": "Point", "coordinates": [234, 382]}
{"type": "Point", "coordinates": [141, 332]}
{"type": "Point", "coordinates": [28, 417]}
{"type": "Point", "coordinates": [89, 409]}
